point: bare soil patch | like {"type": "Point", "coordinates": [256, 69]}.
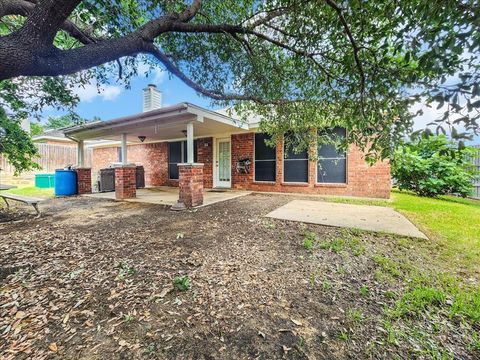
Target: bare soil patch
{"type": "Point", "coordinates": [93, 279]}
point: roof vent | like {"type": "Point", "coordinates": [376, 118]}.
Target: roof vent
{"type": "Point", "coordinates": [152, 98]}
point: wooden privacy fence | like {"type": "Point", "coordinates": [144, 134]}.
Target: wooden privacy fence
{"type": "Point", "coordinates": [51, 157]}
{"type": "Point", "coordinates": [476, 184]}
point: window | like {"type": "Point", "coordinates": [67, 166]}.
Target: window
{"type": "Point", "coordinates": [265, 159]}
{"type": "Point", "coordinates": [295, 165]}
{"type": "Point", "coordinates": [332, 162]}
{"type": "Point", "coordinates": [177, 153]}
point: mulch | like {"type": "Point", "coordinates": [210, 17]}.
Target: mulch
{"type": "Point", "coordinates": [93, 279]}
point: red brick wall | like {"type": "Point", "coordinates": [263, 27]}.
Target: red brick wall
{"type": "Point", "coordinates": [153, 157]}
{"type": "Point", "coordinates": [84, 181]}
{"type": "Point", "coordinates": [362, 179]}
{"type": "Point", "coordinates": [125, 182]}
{"type": "Point", "coordinates": [191, 185]}
{"type": "Point", "coordinates": [242, 148]}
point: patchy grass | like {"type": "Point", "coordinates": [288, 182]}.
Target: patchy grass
{"type": "Point", "coordinates": [33, 192]}
{"type": "Point", "coordinates": [452, 223]}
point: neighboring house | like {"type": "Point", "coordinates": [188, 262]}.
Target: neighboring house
{"type": "Point", "coordinates": [192, 147]}
{"type": "Point", "coordinates": [53, 137]}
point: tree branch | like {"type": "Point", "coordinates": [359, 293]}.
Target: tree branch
{"type": "Point", "coordinates": [354, 44]}
{"type": "Point", "coordinates": [25, 8]}
{"type": "Point", "coordinates": [216, 95]}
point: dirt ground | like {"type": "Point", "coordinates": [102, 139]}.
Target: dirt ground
{"type": "Point", "coordinates": [94, 279]}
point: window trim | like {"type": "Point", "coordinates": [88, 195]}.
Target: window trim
{"type": "Point", "coordinates": [330, 184]}
{"type": "Point", "coordinates": [255, 160]}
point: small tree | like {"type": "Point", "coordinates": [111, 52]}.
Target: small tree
{"type": "Point", "coordinates": [433, 165]}
{"type": "Point", "coordinates": [16, 145]}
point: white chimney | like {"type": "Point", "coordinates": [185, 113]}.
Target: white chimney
{"type": "Point", "coordinates": [152, 98]}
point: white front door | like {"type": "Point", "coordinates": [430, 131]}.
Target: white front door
{"type": "Point", "coordinates": [223, 168]}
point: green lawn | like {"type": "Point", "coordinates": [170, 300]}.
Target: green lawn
{"type": "Point", "coordinates": [32, 191]}
{"type": "Point", "coordinates": [451, 223]}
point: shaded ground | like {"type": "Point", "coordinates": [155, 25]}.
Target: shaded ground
{"type": "Point", "coordinates": [93, 279]}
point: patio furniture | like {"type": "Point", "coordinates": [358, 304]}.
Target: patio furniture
{"type": "Point", "coordinates": [24, 199]}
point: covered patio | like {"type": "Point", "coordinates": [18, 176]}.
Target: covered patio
{"type": "Point", "coordinates": [168, 195]}
{"type": "Point", "coordinates": [182, 122]}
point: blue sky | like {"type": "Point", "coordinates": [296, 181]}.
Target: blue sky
{"type": "Point", "coordinates": [116, 101]}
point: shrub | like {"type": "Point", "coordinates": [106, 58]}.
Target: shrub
{"type": "Point", "coordinates": [433, 165]}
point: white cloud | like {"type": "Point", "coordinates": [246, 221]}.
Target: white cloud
{"type": "Point", "coordinates": [155, 73]}
{"type": "Point", "coordinates": [89, 92]}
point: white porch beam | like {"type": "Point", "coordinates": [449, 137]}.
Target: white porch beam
{"type": "Point", "coordinates": [80, 154]}
{"type": "Point", "coordinates": [124, 149]}
{"type": "Point", "coordinates": [190, 156]}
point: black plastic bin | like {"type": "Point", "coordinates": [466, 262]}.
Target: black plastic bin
{"type": "Point", "coordinates": [107, 180]}
{"type": "Point", "coordinates": [140, 177]}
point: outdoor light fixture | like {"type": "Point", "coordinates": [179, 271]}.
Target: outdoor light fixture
{"type": "Point", "coordinates": [184, 132]}
{"type": "Point", "coordinates": [142, 138]}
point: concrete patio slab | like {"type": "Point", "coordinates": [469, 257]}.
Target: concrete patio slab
{"type": "Point", "coordinates": [371, 218]}
{"type": "Point", "coordinates": [165, 195]}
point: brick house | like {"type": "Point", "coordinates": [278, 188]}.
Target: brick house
{"type": "Point", "coordinates": [194, 149]}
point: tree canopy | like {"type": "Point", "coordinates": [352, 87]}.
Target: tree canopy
{"type": "Point", "coordinates": [297, 63]}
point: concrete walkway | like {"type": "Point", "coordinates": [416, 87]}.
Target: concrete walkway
{"type": "Point", "coordinates": [371, 218]}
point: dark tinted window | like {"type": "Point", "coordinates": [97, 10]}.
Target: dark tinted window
{"type": "Point", "coordinates": [332, 162]}
{"type": "Point", "coordinates": [295, 165]}
{"type": "Point", "coordinates": [177, 153]}
{"type": "Point", "coordinates": [265, 159]}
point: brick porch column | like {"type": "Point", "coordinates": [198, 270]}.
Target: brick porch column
{"type": "Point", "coordinates": [84, 181]}
{"type": "Point", "coordinates": [190, 183]}
{"type": "Point", "coordinates": [125, 182]}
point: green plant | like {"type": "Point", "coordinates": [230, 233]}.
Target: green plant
{"type": "Point", "coordinates": [433, 165]}
{"type": "Point", "coordinates": [128, 318]}
{"type": "Point", "coordinates": [335, 245]}
{"type": "Point", "coordinates": [181, 283]}
{"type": "Point", "coordinates": [387, 265]}
{"type": "Point", "coordinates": [308, 244]}
{"type": "Point", "coordinates": [364, 290]}
{"type": "Point", "coordinates": [343, 335]}
{"type": "Point", "coordinates": [309, 239]}
{"type": "Point", "coordinates": [354, 316]}
{"type": "Point", "coordinates": [125, 270]}
{"type": "Point", "coordinates": [326, 285]}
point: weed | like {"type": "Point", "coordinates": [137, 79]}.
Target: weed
{"type": "Point", "coordinates": [326, 285]}
{"type": "Point", "coordinates": [392, 334]}
{"type": "Point", "coordinates": [312, 280]}
{"type": "Point", "coordinates": [128, 318]}
{"type": "Point", "coordinates": [125, 270]}
{"type": "Point", "coordinates": [301, 344]}
{"type": "Point", "coordinates": [355, 245]}
{"type": "Point", "coordinates": [387, 265]}
{"type": "Point", "coordinates": [308, 244]}
{"type": "Point", "coordinates": [343, 335]}
{"type": "Point", "coordinates": [269, 224]}
{"type": "Point", "coordinates": [475, 341]}
{"type": "Point", "coordinates": [150, 349]}
{"type": "Point", "coordinates": [182, 283]}
{"type": "Point", "coordinates": [418, 299]}
{"type": "Point", "coordinates": [354, 316]}
{"type": "Point", "coordinates": [335, 245]}
{"type": "Point", "coordinates": [364, 290]}
{"type": "Point", "coordinates": [389, 294]}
